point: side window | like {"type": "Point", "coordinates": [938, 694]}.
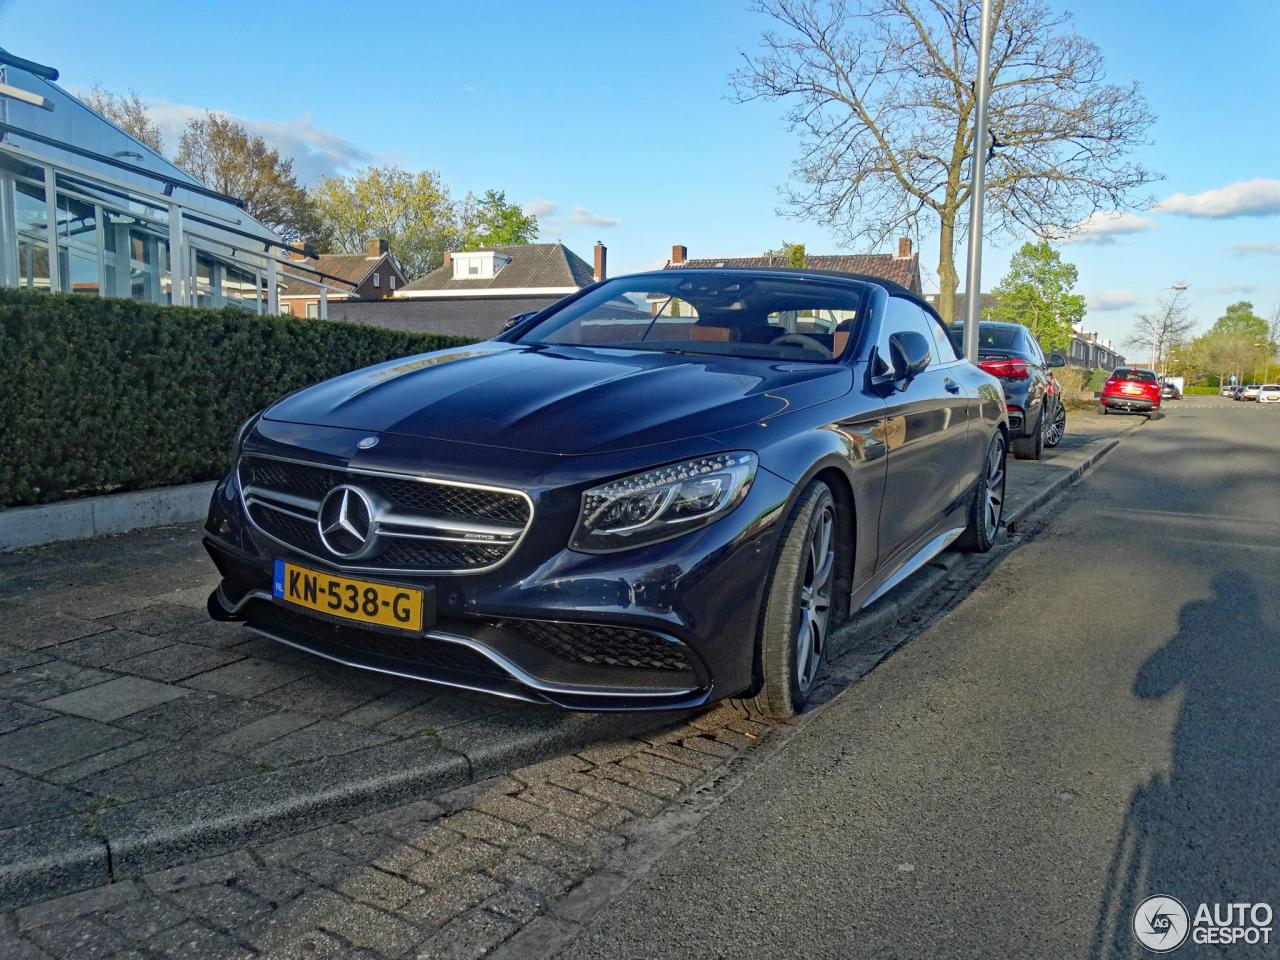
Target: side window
{"type": "Point", "coordinates": [945, 350]}
{"type": "Point", "coordinates": [1034, 346]}
{"type": "Point", "coordinates": [901, 316]}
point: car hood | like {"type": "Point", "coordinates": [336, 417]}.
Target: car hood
{"type": "Point", "coordinates": [562, 399]}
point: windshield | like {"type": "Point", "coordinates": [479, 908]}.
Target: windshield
{"type": "Point", "coordinates": [736, 315]}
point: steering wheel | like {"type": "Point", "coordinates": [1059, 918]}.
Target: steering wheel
{"type": "Point", "coordinates": [799, 340]}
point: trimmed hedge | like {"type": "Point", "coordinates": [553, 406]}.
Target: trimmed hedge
{"type": "Point", "coordinates": [104, 394]}
{"type": "Point", "coordinates": [1201, 391]}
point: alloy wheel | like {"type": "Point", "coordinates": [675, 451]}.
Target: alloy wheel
{"type": "Point", "coordinates": [815, 599]}
{"type": "Point", "coordinates": [1057, 427]}
{"type": "Point", "coordinates": [994, 507]}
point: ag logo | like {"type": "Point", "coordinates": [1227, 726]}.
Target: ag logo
{"type": "Point", "coordinates": [1161, 924]}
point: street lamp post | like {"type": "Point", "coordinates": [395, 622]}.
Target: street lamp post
{"type": "Point", "coordinates": [973, 278]}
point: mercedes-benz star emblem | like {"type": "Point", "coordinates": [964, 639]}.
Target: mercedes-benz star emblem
{"type": "Point", "coordinates": [346, 521]}
{"type": "Point", "coordinates": [367, 443]}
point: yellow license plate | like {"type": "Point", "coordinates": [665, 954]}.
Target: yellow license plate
{"type": "Point", "coordinates": [362, 601]}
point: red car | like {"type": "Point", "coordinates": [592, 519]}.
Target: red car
{"type": "Point", "coordinates": [1131, 390]}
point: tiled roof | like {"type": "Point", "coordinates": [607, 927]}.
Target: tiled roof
{"type": "Point", "coordinates": [532, 266]}
{"type": "Point", "coordinates": [904, 271]}
{"type": "Point", "coordinates": [350, 267]}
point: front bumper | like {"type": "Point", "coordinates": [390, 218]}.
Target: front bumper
{"type": "Point", "coordinates": [668, 626]}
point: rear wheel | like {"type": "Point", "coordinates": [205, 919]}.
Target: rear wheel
{"type": "Point", "coordinates": [1057, 427]}
{"type": "Point", "coordinates": [1102, 409]}
{"type": "Point", "coordinates": [1032, 445]}
{"type": "Point", "coordinates": [986, 509]}
{"type": "Point", "coordinates": [796, 621]}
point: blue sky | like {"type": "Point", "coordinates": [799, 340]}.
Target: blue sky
{"type": "Point", "coordinates": [611, 119]}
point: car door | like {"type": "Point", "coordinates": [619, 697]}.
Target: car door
{"type": "Point", "coordinates": [927, 424]}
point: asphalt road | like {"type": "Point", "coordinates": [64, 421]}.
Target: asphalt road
{"type": "Point", "coordinates": [1097, 723]}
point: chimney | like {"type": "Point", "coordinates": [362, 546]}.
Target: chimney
{"type": "Point", "coordinates": [679, 254]}
{"type": "Point", "coordinates": [602, 253]}
{"type": "Point", "coordinates": [448, 259]}
{"type": "Point", "coordinates": [377, 248]}
{"type": "Point", "coordinates": [904, 248]}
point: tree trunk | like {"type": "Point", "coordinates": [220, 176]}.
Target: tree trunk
{"type": "Point", "coordinates": [947, 278]}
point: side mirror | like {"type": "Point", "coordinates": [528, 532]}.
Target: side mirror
{"type": "Point", "coordinates": [910, 353]}
{"type": "Point", "coordinates": [515, 321]}
{"type": "Point", "coordinates": [1057, 360]}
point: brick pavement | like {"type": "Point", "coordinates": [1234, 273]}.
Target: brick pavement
{"type": "Point", "coordinates": [452, 877]}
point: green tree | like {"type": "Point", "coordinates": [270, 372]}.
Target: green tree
{"type": "Point", "coordinates": [129, 113]}
{"type": "Point", "coordinates": [412, 210]}
{"type": "Point", "coordinates": [490, 221]}
{"type": "Point", "coordinates": [222, 154]}
{"type": "Point", "coordinates": [1240, 319]}
{"type": "Point", "coordinates": [1036, 292]}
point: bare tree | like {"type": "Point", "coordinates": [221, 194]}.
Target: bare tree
{"type": "Point", "coordinates": [881, 93]}
{"type": "Point", "coordinates": [1162, 329]}
{"type": "Point", "coordinates": [129, 113]}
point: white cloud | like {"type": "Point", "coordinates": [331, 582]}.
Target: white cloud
{"type": "Point", "coordinates": [540, 208]}
{"type": "Point", "coordinates": [1258, 197]}
{"type": "Point", "coordinates": [1250, 249]}
{"type": "Point", "coordinates": [316, 151]}
{"type": "Point", "coordinates": [551, 220]}
{"type": "Point", "coordinates": [1102, 300]}
{"type": "Point", "coordinates": [1103, 226]}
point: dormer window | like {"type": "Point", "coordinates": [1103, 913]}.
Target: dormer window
{"type": "Point", "coordinates": [478, 264]}
{"type": "Point", "coordinates": [377, 281]}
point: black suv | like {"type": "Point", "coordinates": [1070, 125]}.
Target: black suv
{"type": "Point", "coordinates": [1010, 353]}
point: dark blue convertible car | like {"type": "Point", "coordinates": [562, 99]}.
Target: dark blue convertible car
{"type": "Point", "coordinates": [666, 489]}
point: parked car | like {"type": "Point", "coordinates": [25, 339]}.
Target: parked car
{"type": "Point", "coordinates": [1249, 392]}
{"type": "Point", "coordinates": [1269, 393]}
{"type": "Point", "coordinates": [1170, 391]}
{"type": "Point", "coordinates": [1237, 392]}
{"type": "Point", "coordinates": [1227, 390]}
{"type": "Point", "coordinates": [1010, 353]}
{"type": "Point", "coordinates": [666, 489]}
{"type": "Point", "coordinates": [1130, 390]}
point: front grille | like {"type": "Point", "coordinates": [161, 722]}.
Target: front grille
{"type": "Point", "coordinates": [440, 554]}
{"type": "Point", "coordinates": [292, 530]}
{"type": "Point", "coordinates": [601, 645]}
{"type": "Point", "coordinates": [422, 524]}
{"type": "Point", "coordinates": [456, 502]}
{"type": "Point", "coordinates": [291, 477]}
{"type": "Point", "coordinates": [357, 645]}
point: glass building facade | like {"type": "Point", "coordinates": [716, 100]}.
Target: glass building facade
{"type": "Point", "coordinates": [86, 209]}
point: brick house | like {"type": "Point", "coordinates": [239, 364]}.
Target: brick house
{"type": "Point", "coordinates": [902, 268]}
{"type": "Point", "coordinates": [372, 275]}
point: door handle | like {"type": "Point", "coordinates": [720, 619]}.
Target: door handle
{"type": "Point", "coordinates": [952, 386]}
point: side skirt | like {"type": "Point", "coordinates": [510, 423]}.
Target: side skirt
{"type": "Point", "coordinates": [927, 551]}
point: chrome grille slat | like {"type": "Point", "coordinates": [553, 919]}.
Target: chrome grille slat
{"type": "Point", "coordinates": [425, 529]}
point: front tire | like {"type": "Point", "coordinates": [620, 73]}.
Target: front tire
{"type": "Point", "coordinates": [795, 624]}
{"type": "Point", "coordinates": [986, 509]}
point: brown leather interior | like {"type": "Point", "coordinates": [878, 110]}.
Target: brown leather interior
{"type": "Point", "coordinates": [839, 340]}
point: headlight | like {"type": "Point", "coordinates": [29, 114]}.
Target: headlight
{"type": "Point", "coordinates": [662, 503]}
{"type": "Point", "coordinates": [241, 433]}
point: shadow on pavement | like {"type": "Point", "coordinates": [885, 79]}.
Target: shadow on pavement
{"type": "Point", "coordinates": [1210, 831]}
